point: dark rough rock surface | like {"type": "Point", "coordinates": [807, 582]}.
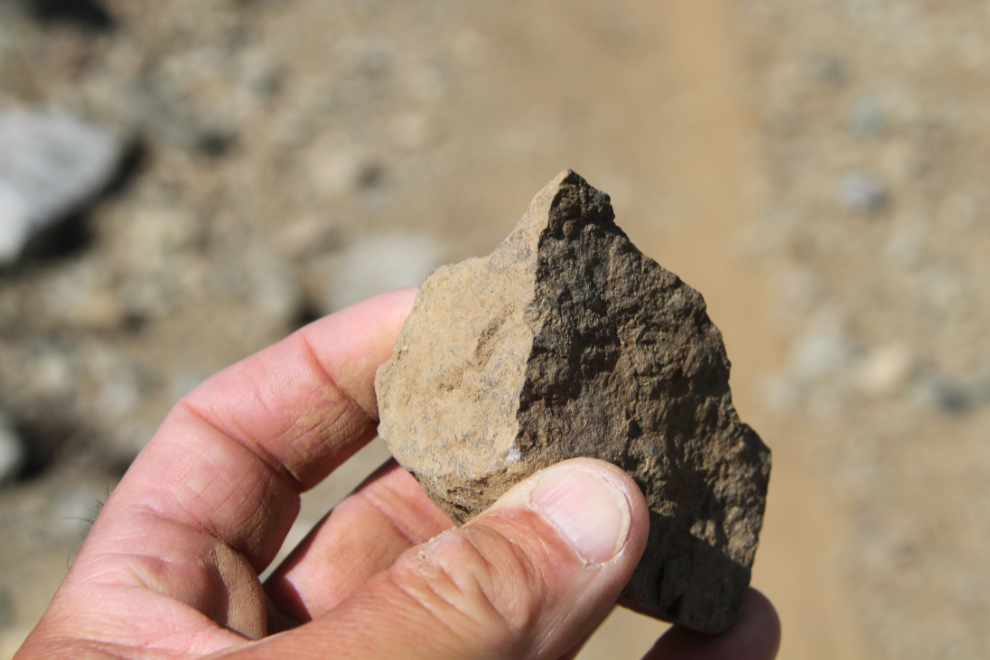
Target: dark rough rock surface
{"type": "Point", "coordinates": [567, 341]}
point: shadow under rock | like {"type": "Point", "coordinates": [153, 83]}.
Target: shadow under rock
{"type": "Point", "coordinates": [44, 441]}
{"type": "Point", "coordinates": [87, 14]}
{"type": "Point", "coordinates": [60, 240]}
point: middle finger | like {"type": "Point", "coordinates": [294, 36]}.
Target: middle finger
{"type": "Point", "coordinates": [363, 535]}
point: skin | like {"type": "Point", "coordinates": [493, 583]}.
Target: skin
{"type": "Point", "coordinates": [170, 568]}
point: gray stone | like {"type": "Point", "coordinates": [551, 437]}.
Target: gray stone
{"type": "Point", "coordinates": [867, 119]}
{"type": "Point", "coordinates": [50, 165]}
{"type": "Point", "coordinates": [567, 341]}
{"type": "Point", "coordinates": [863, 192]}
{"type": "Point", "coordinates": [958, 394]}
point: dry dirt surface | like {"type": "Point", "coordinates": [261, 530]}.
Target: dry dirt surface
{"type": "Point", "coordinates": [817, 170]}
{"type": "Point", "coordinates": [875, 224]}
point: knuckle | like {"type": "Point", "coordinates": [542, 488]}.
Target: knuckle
{"type": "Point", "coordinates": [478, 582]}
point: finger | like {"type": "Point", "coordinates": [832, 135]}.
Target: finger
{"type": "Point", "coordinates": [526, 579]}
{"type": "Point", "coordinates": [208, 502]}
{"type": "Point", "coordinates": [363, 536]}
{"type": "Point", "coordinates": [755, 636]}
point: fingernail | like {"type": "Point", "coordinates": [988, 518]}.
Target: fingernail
{"type": "Point", "coordinates": [591, 512]}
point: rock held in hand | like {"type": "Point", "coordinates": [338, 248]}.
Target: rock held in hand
{"type": "Point", "coordinates": [567, 341]}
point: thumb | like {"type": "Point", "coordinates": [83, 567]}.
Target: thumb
{"type": "Point", "coordinates": [529, 578]}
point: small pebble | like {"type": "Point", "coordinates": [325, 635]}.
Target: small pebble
{"type": "Point", "coordinates": [956, 394]}
{"type": "Point", "coordinates": [335, 170]}
{"type": "Point", "coordinates": [886, 370]}
{"type": "Point", "coordinates": [866, 119]}
{"type": "Point", "coordinates": [828, 69]}
{"type": "Point", "coordinates": [259, 80]}
{"type": "Point", "coordinates": [863, 192]}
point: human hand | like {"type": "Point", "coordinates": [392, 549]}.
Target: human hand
{"type": "Point", "coordinates": [170, 568]}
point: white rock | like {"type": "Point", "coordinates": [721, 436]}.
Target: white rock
{"type": "Point", "coordinates": [886, 369]}
{"type": "Point", "coordinates": [334, 169]}
{"type": "Point", "coordinates": [50, 165]}
{"type": "Point", "coordinates": [376, 264]}
{"type": "Point", "coordinates": [15, 222]}
{"type": "Point", "coordinates": [12, 452]}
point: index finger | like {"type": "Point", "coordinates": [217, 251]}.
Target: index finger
{"type": "Point", "coordinates": [232, 457]}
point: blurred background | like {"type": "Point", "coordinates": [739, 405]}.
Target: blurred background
{"type": "Point", "coordinates": [185, 182]}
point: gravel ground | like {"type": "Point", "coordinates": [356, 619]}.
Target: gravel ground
{"type": "Point", "coordinates": [875, 221]}
{"type": "Point", "coordinates": [286, 158]}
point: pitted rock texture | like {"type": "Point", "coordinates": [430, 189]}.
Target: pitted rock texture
{"type": "Point", "coordinates": [567, 341]}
